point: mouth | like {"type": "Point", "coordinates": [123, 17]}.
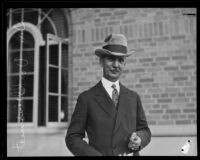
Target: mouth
{"type": "Point", "coordinates": [115, 71]}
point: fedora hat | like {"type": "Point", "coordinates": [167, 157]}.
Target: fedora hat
{"type": "Point", "coordinates": [116, 45]}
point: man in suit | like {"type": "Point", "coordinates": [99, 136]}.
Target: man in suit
{"type": "Point", "coordinates": [110, 114]}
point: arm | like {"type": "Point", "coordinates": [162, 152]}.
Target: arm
{"type": "Point", "coordinates": [76, 132]}
{"type": "Point", "coordinates": [142, 129]}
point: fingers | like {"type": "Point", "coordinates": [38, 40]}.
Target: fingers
{"type": "Point", "coordinates": [133, 146]}
{"type": "Point", "coordinates": [134, 134]}
{"type": "Point", "coordinates": [135, 142]}
{"type": "Point", "coordinates": [134, 137]}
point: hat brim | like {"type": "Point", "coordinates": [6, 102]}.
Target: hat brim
{"type": "Point", "coordinates": [100, 52]}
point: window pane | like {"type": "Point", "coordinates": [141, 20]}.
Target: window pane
{"type": "Point", "coordinates": [64, 81]}
{"type": "Point", "coordinates": [28, 40]}
{"type": "Point", "coordinates": [16, 16]}
{"type": "Point", "coordinates": [64, 55]}
{"type": "Point", "coordinates": [12, 110]}
{"type": "Point", "coordinates": [14, 62]}
{"type": "Point", "coordinates": [64, 109]}
{"type": "Point", "coordinates": [53, 54]}
{"type": "Point", "coordinates": [53, 108]}
{"type": "Point", "coordinates": [31, 16]}
{"type": "Point", "coordinates": [53, 79]}
{"type": "Point", "coordinates": [46, 27]}
{"type": "Point", "coordinates": [27, 85]}
{"type": "Point", "coordinates": [27, 110]}
{"type": "Point", "coordinates": [15, 41]}
{"type": "Point", "coordinates": [25, 114]}
{"type": "Point", "coordinates": [28, 61]}
{"type": "Point", "coordinates": [42, 87]}
{"type": "Point", "coordinates": [13, 86]}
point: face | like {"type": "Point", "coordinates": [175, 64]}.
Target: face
{"type": "Point", "coordinates": [112, 67]}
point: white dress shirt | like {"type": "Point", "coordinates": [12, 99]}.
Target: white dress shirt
{"type": "Point", "coordinates": [108, 86]}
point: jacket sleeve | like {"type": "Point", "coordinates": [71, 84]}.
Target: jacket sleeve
{"type": "Point", "coordinates": [76, 132]}
{"type": "Point", "coordinates": [142, 128]}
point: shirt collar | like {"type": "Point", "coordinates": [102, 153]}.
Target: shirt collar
{"type": "Point", "coordinates": [107, 84]}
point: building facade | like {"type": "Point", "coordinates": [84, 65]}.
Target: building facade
{"type": "Point", "coordinates": [50, 61]}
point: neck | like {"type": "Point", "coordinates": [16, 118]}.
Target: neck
{"type": "Point", "coordinates": [111, 80]}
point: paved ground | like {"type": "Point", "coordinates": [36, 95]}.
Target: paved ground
{"type": "Point", "coordinates": [38, 145]}
{"type": "Point", "coordinates": [170, 146]}
{"type": "Point", "coordinates": [54, 145]}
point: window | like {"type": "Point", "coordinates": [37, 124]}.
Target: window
{"type": "Point", "coordinates": [57, 75]}
{"type": "Point", "coordinates": [37, 66]}
{"type": "Point", "coordinates": [20, 77]}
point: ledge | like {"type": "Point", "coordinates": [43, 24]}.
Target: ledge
{"type": "Point", "coordinates": [173, 130]}
{"type": "Point", "coordinates": [37, 130]}
{"type": "Point", "coordinates": [156, 130]}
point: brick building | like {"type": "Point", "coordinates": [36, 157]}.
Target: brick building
{"type": "Point", "coordinates": [51, 61]}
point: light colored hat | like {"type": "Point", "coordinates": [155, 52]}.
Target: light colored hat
{"type": "Point", "coordinates": [116, 45]}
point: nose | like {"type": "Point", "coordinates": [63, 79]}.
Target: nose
{"type": "Point", "coordinates": [116, 63]}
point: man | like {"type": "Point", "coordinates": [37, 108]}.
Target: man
{"type": "Point", "coordinates": [111, 115]}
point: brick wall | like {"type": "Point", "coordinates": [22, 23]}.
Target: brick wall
{"type": "Point", "coordinates": [162, 71]}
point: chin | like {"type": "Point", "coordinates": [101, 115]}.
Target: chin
{"type": "Point", "coordinates": [112, 77]}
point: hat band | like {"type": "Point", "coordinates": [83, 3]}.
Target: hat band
{"type": "Point", "coordinates": [116, 48]}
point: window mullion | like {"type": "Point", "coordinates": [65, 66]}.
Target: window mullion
{"type": "Point", "coordinates": [39, 18]}
{"type": "Point", "coordinates": [47, 80]}
{"type": "Point", "coordinates": [59, 78]}
{"type": "Point", "coordinates": [46, 16]}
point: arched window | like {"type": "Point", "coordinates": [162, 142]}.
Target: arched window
{"type": "Point", "coordinates": [21, 74]}
{"type": "Point", "coordinates": [37, 66]}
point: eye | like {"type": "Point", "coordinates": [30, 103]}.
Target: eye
{"type": "Point", "coordinates": [121, 60]}
{"type": "Point", "coordinates": [111, 58]}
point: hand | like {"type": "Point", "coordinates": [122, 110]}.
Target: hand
{"type": "Point", "coordinates": [135, 142]}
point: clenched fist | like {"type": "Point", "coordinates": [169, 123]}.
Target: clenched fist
{"type": "Point", "coordinates": [135, 142]}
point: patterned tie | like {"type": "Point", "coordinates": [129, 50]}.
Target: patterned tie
{"type": "Point", "coordinates": [115, 95]}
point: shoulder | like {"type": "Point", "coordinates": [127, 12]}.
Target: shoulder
{"type": "Point", "coordinates": [87, 94]}
{"type": "Point", "coordinates": [129, 91]}
{"type": "Point", "coordinates": [133, 95]}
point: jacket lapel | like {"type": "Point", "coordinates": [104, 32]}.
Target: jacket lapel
{"type": "Point", "coordinates": [122, 106]}
{"type": "Point", "coordinates": [104, 100]}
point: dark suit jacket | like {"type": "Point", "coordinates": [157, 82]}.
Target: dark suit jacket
{"type": "Point", "coordinates": [108, 129]}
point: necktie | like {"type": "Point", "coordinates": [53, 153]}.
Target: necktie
{"type": "Point", "coordinates": [115, 95]}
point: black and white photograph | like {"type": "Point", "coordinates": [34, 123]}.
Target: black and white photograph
{"type": "Point", "coordinates": [101, 81]}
